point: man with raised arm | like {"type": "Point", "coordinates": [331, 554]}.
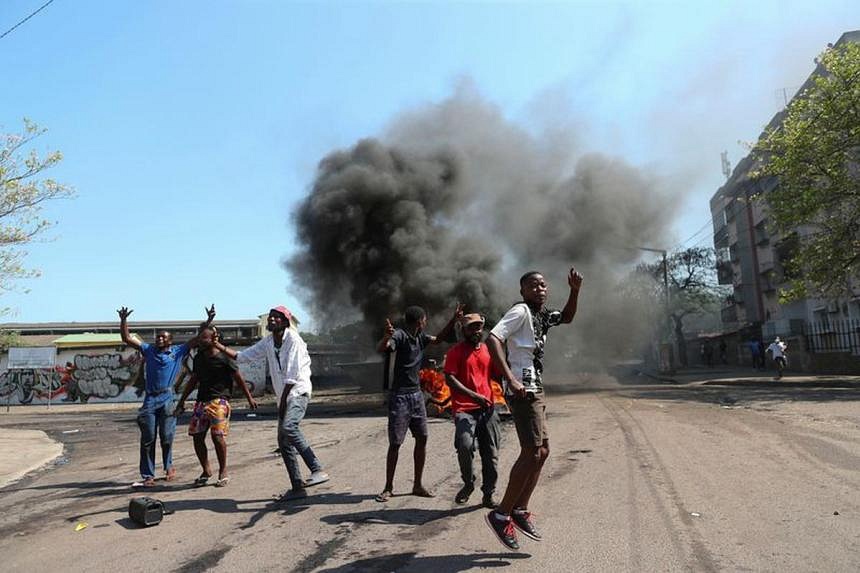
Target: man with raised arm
{"type": "Point", "coordinates": [155, 418]}
{"type": "Point", "coordinates": [406, 408]}
{"type": "Point", "coordinates": [290, 368]}
{"type": "Point", "coordinates": [516, 344]}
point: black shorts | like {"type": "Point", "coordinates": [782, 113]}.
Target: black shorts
{"type": "Point", "coordinates": [406, 411]}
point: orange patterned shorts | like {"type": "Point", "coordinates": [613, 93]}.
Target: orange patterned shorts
{"type": "Point", "coordinates": [213, 415]}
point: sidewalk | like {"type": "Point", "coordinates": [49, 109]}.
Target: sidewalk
{"type": "Point", "coordinates": [22, 451]}
{"type": "Point", "coordinates": [726, 375]}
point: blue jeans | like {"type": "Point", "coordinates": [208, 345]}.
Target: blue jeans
{"type": "Point", "coordinates": [291, 441]}
{"type": "Point", "coordinates": [155, 419]}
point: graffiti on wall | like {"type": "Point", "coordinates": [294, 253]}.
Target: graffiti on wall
{"type": "Point", "coordinates": [100, 376]}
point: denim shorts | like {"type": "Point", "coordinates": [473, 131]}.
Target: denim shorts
{"type": "Point", "coordinates": [406, 411]}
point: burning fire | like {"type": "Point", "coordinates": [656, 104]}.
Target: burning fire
{"type": "Point", "coordinates": [433, 384]}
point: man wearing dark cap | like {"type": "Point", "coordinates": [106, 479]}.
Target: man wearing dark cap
{"type": "Point", "coordinates": [290, 368]}
{"type": "Point", "coordinates": [476, 423]}
{"type": "Point", "coordinates": [516, 344]}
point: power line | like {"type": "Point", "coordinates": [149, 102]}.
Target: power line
{"type": "Point", "coordinates": [42, 7]}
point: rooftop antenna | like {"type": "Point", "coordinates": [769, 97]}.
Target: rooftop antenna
{"type": "Point", "coordinates": [727, 167]}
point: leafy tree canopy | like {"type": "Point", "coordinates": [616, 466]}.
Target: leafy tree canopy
{"type": "Point", "coordinates": [814, 156]}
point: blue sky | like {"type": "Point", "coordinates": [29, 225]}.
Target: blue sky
{"type": "Point", "coordinates": [191, 129]}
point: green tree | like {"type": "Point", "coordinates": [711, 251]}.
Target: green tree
{"type": "Point", "coordinates": [693, 288]}
{"type": "Point", "coordinates": [812, 161]}
{"type": "Point", "coordinates": [23, 190]}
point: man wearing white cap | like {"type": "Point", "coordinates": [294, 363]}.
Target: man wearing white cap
{"type": "Point", "coordinates": [290, 368]}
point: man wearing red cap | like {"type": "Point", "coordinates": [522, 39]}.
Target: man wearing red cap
{"type": "Point", "coordinates": [290, 368]}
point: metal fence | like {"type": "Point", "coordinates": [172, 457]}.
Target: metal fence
{"type": "Point", "coordinates": [833, 336]}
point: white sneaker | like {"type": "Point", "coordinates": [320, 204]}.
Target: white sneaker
{"type": "Point", "coordinates": [316, 479]}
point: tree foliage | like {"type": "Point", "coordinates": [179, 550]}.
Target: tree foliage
{"type": "Point", "coordinates": [815, 157]}
{"type": "Point", "coordinates": [693, 288]}
{"type": "Point", "coordinates": [23, 190]}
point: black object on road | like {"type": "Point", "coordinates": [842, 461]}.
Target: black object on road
{"type": "Point", "coordinates": [146, 511]}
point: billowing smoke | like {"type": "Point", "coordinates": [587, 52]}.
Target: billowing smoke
{"type": "Point", "coordinates": [454, 202]}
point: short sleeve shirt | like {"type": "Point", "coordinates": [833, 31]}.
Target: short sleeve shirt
{"type": "Point", "coordinates": [162, 367]}
{"type": "Point", "coordinates": [408, 356]}
{"type": "Point", "coordinates": [524, 335]}
{"type": "Point", "coordinates": [471, 366]}
{"type": "Point", "coordinates": [214, 376]}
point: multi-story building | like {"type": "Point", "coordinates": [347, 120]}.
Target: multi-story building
{"type": "Point", "coordinates": [751, 258]}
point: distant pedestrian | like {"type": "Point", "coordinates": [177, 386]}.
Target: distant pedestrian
{"type": "Point", "coordinates": [709, 354]}
{"type": "Point", "coordinates": [155, 416]}
{"type": "Point", "coordinates": [516, 344]}
{"type": "Point", "coordinates": [213, 376]}
{"type": "Point", "coordinates": [777, 350]}
{"type": "Point", "coordinates": [755, 352]}
{"type": "Point", "coordinates": [724, 351]}
{"type": "Point", "coordinates": [290, 368]}
{"type": "Point", "coordinates": [406, 407]}
{"type": "Point", "coordinates": [476, 423]}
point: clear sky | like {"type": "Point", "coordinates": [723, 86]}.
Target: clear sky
{"type": "Point", "coordinates": [190, 129]}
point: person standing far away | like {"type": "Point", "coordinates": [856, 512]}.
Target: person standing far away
{"type": "Point", "coordinates": [516, 344]}
{"type": "Point", "coordinates": [406, 407]}
{"type": "Point", "coordinates": [290, 368]}
{"type": "Point", "coordinates": [476, 422]}
{"type": "Point", "coordinates": [155, 416]}
{"type": "Point", "coordinates": [213, 376]}
{"type": "Point", "coordinates": [777, 351]}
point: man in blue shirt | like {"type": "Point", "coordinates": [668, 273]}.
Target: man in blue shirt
{"type": "Point", "coordinates": [162, 362]}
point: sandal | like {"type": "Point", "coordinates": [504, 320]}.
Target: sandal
{"type": "Point", "coordinates": [222, 482]}
{"type": "Point", "coordinates": [202, 480]}
{"type": "Point", "coordinates": [384, 496]}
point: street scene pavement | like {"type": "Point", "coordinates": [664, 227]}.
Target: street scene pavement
{"type": "Point", "coordinates": [704, 470]}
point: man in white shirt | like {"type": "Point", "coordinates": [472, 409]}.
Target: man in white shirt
{"type": "Point", "coordinates": [777, 350]}
{"type": "Point", "coordinates": [521, 335]}
{"type": "Point", "coordinates": [290, 369]}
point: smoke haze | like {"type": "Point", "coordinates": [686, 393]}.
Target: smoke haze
{"type": "Point", "coordinates": [454, 202]}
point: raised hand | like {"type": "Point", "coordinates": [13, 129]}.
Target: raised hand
{"type": "Point", "coordinates": [458, 311]}
{"type": "Point", "coordinates": [124, 313]}
{"type": "Point", "coordinates": [389, 328]}
{"type": "Point", "coordinates": [574, 279]}
{"type": "Point", "coordinates": [210, 312]}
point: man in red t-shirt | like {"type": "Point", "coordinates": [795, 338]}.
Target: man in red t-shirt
{"type": "Point", "coordinates": [467, 371]}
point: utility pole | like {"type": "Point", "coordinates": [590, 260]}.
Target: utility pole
{"type": "Point", "coordinates": [669, 329]}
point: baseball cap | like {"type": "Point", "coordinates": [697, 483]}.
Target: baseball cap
{"type": "Point", "coordinates": [471, 318]}
{"type": "Point", "coordinates": [282, 310]}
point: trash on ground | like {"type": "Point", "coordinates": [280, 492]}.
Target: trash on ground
{"type": "Point", "coordinates": [81, 526]}
{"type": "Point", "coordinates": [695, 514]}
{"type": "Point", "coordinates": [70, 431]}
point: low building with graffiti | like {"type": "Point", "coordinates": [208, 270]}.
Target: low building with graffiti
{"type": "Point", "coordinates": [93, 365]}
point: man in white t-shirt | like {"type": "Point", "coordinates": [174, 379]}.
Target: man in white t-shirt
{"type": "Point", "coordinates": [516, 344]}
{"type": "Point", "coordinates": [777, 350]}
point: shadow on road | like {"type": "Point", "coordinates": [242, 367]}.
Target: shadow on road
{"type": "Point", "coordinates": [406, 516]}
{"type": "Point", "coordinates": [432, 564]}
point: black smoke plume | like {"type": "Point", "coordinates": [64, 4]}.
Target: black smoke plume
{"type": "Point", "coordinates": [454, 202]}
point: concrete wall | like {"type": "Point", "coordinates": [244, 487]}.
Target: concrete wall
{"type": "Point", "coordinates": [92, 375]}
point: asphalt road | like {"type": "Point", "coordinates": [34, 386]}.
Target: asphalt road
{"type": "Point", "coordinates": [640, 478]}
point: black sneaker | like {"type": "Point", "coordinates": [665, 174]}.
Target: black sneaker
{"type": "Point", "coordinates": [524, 522]}
{"type": "Point", "coordinates": [503, 527]}
{"type": "Point", "coordinates": [464, 493]}
{"type": "Point", "coordinates": [488, 501]}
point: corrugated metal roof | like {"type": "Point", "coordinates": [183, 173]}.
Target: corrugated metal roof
{"type": "Point", "coordinates": [88, 340]}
